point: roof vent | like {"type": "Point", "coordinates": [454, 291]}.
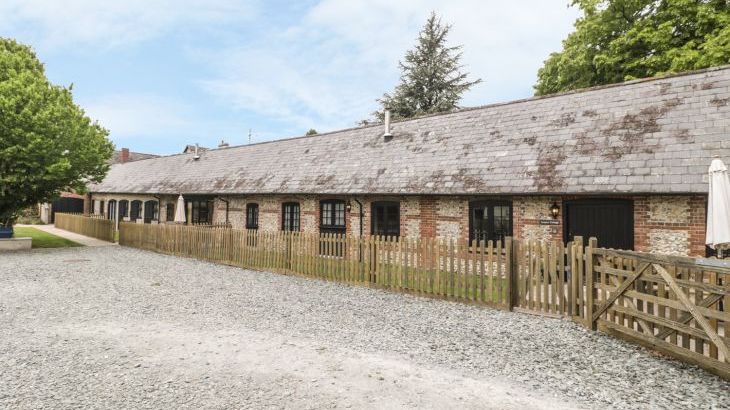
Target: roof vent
{"type": "Point", "coordinates": [387, 136]}
{"type": "Point", "coordinates": [196, 156]}
{"type": "Point", "coordinates": [223, 144]}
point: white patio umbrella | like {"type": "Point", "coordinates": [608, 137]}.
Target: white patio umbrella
{"type": "Point", "coordinates": [180, 210]}
{"type": "Point", "coordinates": [718, 207]}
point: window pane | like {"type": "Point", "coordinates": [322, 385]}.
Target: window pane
{"type": "Point", "coordinates": [386, 219]}
{"type": "Point", "coordinates": [252, 216]}
{"type": "Point", "coordinates": [501, 221]}
{"type": "Point", "coordinates": [290, 217]}
{"type": "Point", "coordinates": [340, 214]}
{"type": "Point", "coordinates": [490, 221]}
{"type": "Point", "coordinates": [393, 218]}
{"type": "Point", "coordinates": [326, 213]}
{"type": "Point", "coordinates": [479, 224]}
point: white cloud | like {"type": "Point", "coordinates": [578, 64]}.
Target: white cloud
{"type": "Point", "coordinates": [291, 67]}
{"type": "Point", "coordinates": [146, 122]}
{"type": "Point", "coordinates": [326, 70]}
{"type": "Point", "coordinates": [52, 24]}
{"type": "Point", "coordinates": [301, 94]}
{"type": "Point", "coordinates": [138, 115]}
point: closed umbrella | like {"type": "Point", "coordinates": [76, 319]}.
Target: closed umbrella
{"type": "Point", "coordinates": [180, 210]}
{"type": "Point", "coordinates": [718, 207]}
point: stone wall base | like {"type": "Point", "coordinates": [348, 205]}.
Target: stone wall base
{"type": "Point", "coordinates": [15, 244]}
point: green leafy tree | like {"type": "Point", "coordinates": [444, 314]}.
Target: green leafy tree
{"type": "Point", "coordinates": [619, 40]}
{"type": "Point", "coordinates": [311, 131]}
{"type": "Point", "coordinates": [47, 144]}
{"type": "Point", "coordinates": [431, 77]}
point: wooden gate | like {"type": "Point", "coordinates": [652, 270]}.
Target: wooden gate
{"type": "Point", "coordinates": [672, 304]}
{"type": "Point", "coordinates": [543, 277]}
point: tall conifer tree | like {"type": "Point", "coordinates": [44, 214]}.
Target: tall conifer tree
{"type": "Point", "coordinates": [431, 76]}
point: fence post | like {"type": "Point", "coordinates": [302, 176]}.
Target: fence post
{"type": "Point", "coordinates": [511, 268]}
{"type": "Point", "coordinates": [590, 289]}
{"type": "Point", "coordinates": [575, 276]}
{"type": "Point", "coordinates": [289, 251]}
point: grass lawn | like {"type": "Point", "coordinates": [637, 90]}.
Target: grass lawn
{"type": "Point", "coordinates": [44, 239]}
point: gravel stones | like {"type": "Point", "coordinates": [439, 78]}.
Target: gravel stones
{"type": "Point", "coordinates": [134, 329]}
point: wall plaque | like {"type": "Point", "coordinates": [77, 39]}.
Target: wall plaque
{"type": "Point", "coordinates": [549, 222]}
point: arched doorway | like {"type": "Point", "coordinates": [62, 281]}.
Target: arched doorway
{"type": "Point", "coordinates": [123, 209]}
{"type": "Point", "coordinates": [135, 210]}
{"type": "Point", "coordinates": [111, 209]}
{"type": "Point", "coordinates": [150, 211]}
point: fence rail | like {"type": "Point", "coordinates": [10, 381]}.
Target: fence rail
{"type": "Point", "coordinates": [448, 269]}
{"type": "Point", "coordinates": [670, 304]}
{"type": "Point", "coordinates": [90, 226]}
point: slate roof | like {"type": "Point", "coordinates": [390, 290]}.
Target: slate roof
{"type": "Point", "coordinates": [190, 148]}
{"type": "Point", "coordinates": [645, 136]}
{"type": "Point", "coordinates": [133, 156]}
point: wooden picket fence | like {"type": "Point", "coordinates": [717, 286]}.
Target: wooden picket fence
{"type": "Point", "coordinates": [442, 268]}
{"type": "Point", "coordinates": [96, 227]}
{"type": "Point", "coordinates": [675, 305]}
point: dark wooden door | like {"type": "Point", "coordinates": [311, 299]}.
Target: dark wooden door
{"type": "Point", "coordinates": [611, 221]}
{"type": "Point", "coordinates": [71, 205]}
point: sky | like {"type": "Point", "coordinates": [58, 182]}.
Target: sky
{"type": "Point", "coordinates": [160, 74]}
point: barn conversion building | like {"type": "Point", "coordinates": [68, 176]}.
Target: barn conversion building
{"type": "Point", "coordinates": [73, 202]}
{"type": "Point", "coordinates": [626, 163]}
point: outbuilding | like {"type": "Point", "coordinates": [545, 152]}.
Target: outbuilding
{"type": "Point", "coordinates": [626, 163]}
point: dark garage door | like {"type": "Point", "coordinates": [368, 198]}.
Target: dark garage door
{"type": "Point", "coordinates": [609, 220]}
{"type": "Point", "coordinates": [75, 205]}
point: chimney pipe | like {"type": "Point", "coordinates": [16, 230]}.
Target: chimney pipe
{"type": "Point", "coordinates": [196, 156]}
{"type": "Point", "coordinates": [387, 134]}
{"type": "Point", "coordinates": [124, 156]}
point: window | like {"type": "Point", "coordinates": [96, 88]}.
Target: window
{"type": "Point", "coordinates": [151, 211]}
{"type": "Point", "coordinates": [332, 221]}
{"type": "Point", "coordinates": [290, 216]}
{"type": "Point", "coordinates": [202, 211]}
{"type": "Point", "coordinates": [135, 210]}
{"type": "Point", "coordinates": [123, 209]}
{"type": "Point", "coordinates": [386, 218]}
{"type": "Point", "coordinates": [101, 208]}
{"type": "Point", "coordinates": [490, 220]}
{"type": "Point", "coordinates": [112, 209]}
{"type": "Point", "coordinates": [170, 212]}
{"type": "Point", "coordinates": [252, 216]}
{"type": "Point", "coordinates": [332, 216]}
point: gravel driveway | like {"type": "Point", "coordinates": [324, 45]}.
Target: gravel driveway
{"type": "Point", "coordinates": [116, 327]}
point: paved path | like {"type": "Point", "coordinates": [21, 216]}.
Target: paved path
{"type": "Point", "coordinates": [84, 240]}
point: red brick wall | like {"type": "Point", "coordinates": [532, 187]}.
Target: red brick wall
{"type": "Point", "coordinates": [685, 216]}
{"type": "Point", "coordinates": [428, 216]}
